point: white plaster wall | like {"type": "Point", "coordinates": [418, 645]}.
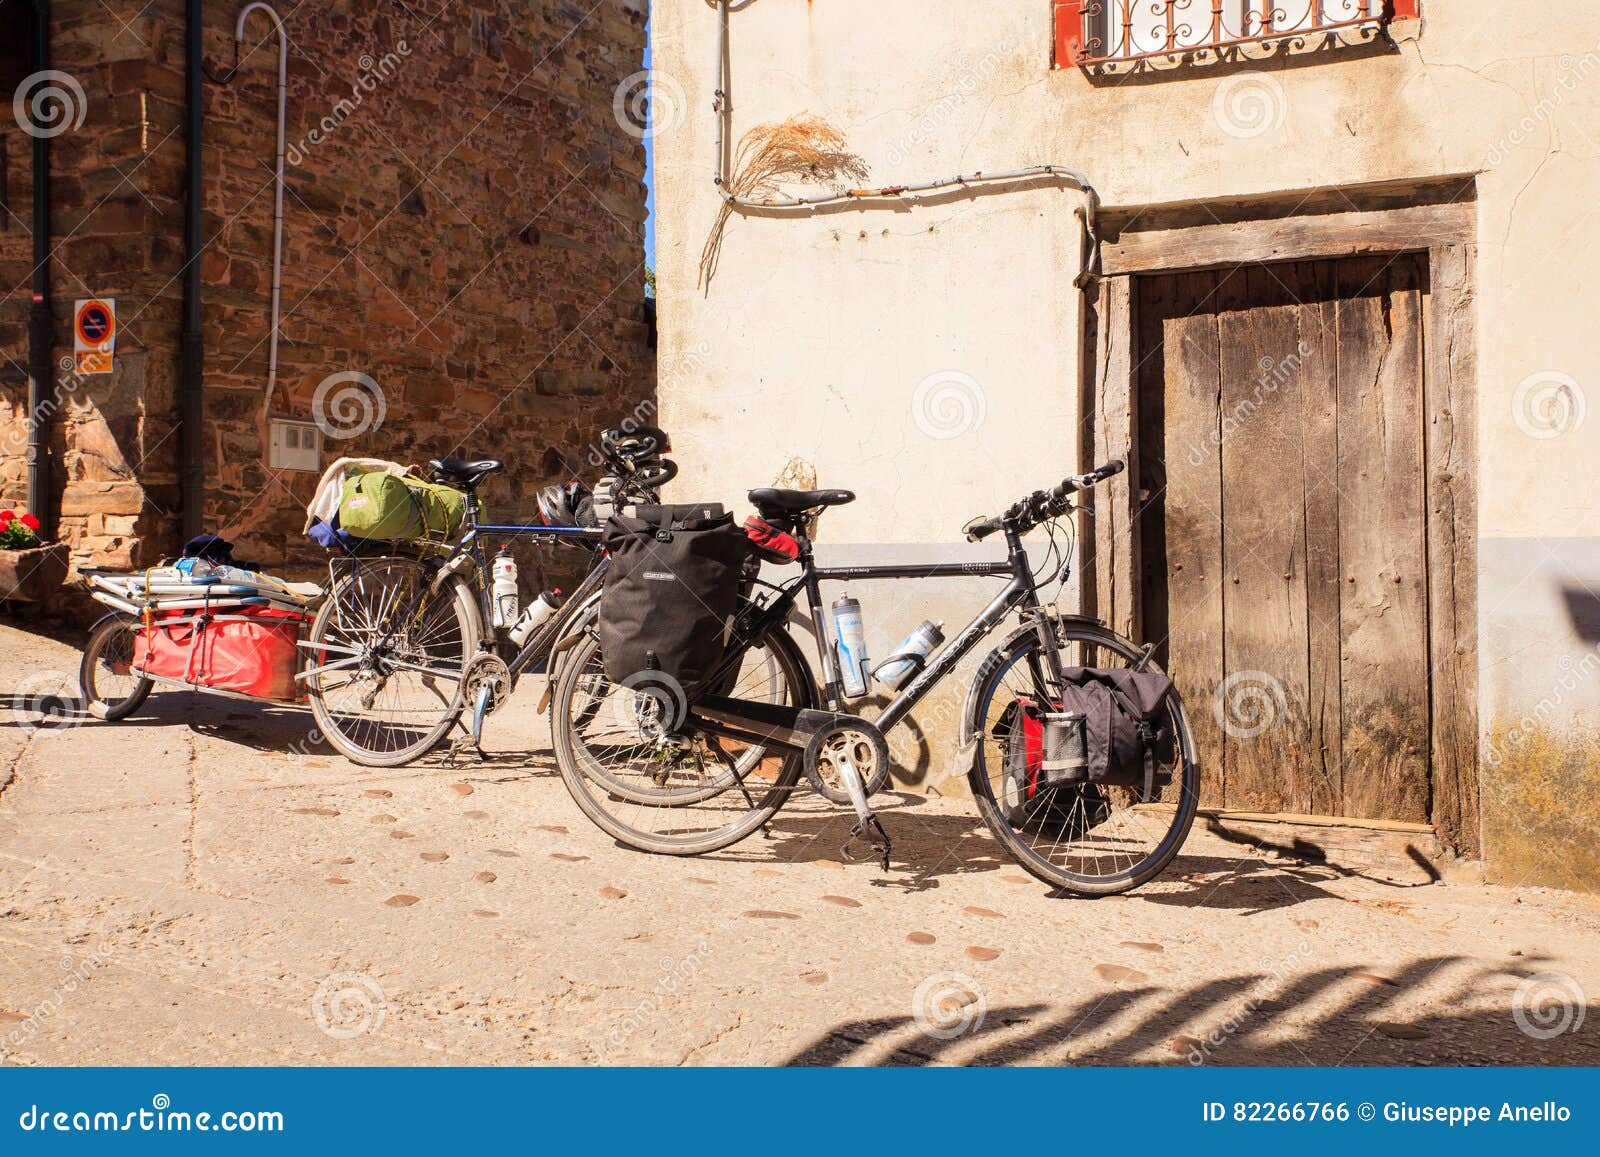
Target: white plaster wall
{"type": "Point", "coordinates": [813, 337]}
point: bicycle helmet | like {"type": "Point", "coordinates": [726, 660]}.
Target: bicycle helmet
{"type": "Point", "coordinates": [566, 504]}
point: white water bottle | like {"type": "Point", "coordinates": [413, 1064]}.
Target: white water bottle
{"type": "Point", "coordinates": [851, 639]}
{"type": "Point", "coordinates": [902, 664]}
{"type": "Point", "coordinates": [504, 570]}
{"type": "Point", "coordinates": [536, 614]}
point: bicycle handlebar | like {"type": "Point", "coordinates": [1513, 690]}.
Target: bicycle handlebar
{"type": "Point", "coordinates": [623, 445]}
{"type": "Point", "coordinates": [1024, 515]}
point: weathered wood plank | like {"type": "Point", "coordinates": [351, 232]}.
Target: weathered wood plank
{"type": "Point", "coordinates": [1382, 540]}
{"type": "Point", "coordinates": [1287, 239]}
{"type": "Point", "coordinates": [1451, 405]}
{"type": "Point", "coordinates": [1116, 551]}
{"type": "Point", "coordinates": [1264, 700]}
{"type": "Point", "coordinates": [1318, 285]}
{"type": "Point", "coordinates": [1183, 378]}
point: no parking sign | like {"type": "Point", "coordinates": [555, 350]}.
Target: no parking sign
{"type": "Point", "coordinates": [94, 335]}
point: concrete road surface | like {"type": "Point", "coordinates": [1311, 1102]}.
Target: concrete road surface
{"type": "Point", "coordinates": [199, 886]}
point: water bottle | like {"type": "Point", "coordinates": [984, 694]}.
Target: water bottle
{"type": "Point", "coordinates": [1066, 756]}
{"type": "Point", "coordinates": [920, 643]}
{"type": "Point", "coordinates": [535, 616]}
{"type": "Point", "coordinates": [851, 641]}
{"type": "Point", "coordinates": [504, 570]}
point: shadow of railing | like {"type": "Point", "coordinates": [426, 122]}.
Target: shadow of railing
{"type": "Point", "coordinates": [1322, 1016]}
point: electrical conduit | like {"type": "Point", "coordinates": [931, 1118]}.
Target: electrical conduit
{"type": "Point", "coordinates": [724, 111]}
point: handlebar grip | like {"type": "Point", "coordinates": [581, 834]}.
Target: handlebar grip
{"type": "Point", "coordinates": [1084, 481]}
{"type": "Point", "coordinates": [981, 528]}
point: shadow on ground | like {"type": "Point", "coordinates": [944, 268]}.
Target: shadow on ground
{"type": "Point", "coordinates": [1333, 1016]}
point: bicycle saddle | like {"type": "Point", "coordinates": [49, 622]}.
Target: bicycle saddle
{"type": "Point", "coordinates": [796, 501]}
{"type": "Point", "coordinates": [463, 473]}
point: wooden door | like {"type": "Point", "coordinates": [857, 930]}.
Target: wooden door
{"type": "Point", "coordinates": [1284, 528]}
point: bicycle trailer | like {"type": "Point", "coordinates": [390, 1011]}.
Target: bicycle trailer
{"type": "Point", "coordinates": [245, 650]}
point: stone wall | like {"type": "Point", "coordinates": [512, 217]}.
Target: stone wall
{"type": "Point", "coordinates": [463, 229]}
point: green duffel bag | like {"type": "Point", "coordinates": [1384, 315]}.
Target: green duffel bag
{"type": "Point", "coordinates": [392, 508]}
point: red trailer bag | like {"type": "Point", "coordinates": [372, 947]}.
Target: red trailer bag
{"type": "Point", "coordinates": [247, 650]}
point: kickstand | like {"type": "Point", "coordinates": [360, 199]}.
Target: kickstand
{"type": "Point", "coordinates": [733, 769]}
{"type": "Point", "coordinates": [871, 831]}
{"type": "Point", "coordinates": [473, 739]}
{"type": "Point", "coordinates": [461, 746]}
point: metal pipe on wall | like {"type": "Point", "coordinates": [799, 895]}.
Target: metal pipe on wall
{"type": "Point", "coordinates": [724, 111]}
{"type": "Point", "coordinates": [277, 208]}
{"type": "Point", "coordinates": [191, 406]}
{"type": "Point", "coordinates": [41, 498]}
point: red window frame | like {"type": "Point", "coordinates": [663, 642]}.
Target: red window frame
{"type": "Point", "coordinates": [1069, 25]}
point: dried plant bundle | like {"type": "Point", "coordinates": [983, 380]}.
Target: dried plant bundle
{"type": "Point", "coordinates": [801, 150]}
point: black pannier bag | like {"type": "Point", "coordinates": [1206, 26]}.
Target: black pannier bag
{"type": "Point", "coordinates": [1112, 728]}
{"type": "Point", "coordinates": [670, 593]}
{"type": "Point", "coordinates": [1127, 725]}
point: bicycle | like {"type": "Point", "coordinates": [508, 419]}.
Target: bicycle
{"type": "Point", "coordinates": [404, 644]}
{"type": "Point", "coordinates": [1088, 840]}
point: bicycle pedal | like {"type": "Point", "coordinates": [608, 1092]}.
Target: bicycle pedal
{"type": "Point", "coordinates": [871, 832]}
{"type": "Point", "coordinates": [462, 745]}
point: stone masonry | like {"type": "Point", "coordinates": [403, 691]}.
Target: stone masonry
{"type": "Point", "coordinates": [463, 227]}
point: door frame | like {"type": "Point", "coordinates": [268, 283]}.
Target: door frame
{"type": "Point", "coordinates": [1438, 221]}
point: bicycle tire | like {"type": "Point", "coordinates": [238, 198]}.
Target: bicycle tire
{"type": "Point", "coordinates": [102, 637]}
{"type": "Point", "coordinates": [975, 722]}
{"type": "Point", "coordinates": [592, 792]}
{"type": "Point", "coordinates": [349, 731]}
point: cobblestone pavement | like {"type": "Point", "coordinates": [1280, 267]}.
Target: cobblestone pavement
{"type": "Point", "coordinates": [196, 886]}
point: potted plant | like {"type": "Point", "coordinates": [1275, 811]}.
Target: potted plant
{"type": "Point", "coordinates": [29, 569]}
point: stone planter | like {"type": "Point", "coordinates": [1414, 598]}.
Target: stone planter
{"type": "Point", "coordinates": [31, 576]}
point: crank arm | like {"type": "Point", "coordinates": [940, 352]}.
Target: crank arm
{"type": "Point", "coordinates": [867, 825]}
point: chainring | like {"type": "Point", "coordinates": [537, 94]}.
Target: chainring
{"type": "Point", "coordinates": [487, 671]}
{"type": "Point", "coordinates": [866, 750]}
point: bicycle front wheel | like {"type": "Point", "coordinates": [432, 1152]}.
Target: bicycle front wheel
{"type": "Point", "coordinates": [674, 795]}
{"type": "Point", "coordinates": [387, 657]}
{"type": "Point", "coordinates": [1091, 840]}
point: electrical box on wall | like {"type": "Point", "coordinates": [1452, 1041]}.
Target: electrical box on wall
{"type": "Point", "coordinates": [295, 446]}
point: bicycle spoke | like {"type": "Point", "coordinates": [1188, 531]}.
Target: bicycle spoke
{"type": "Point", "coordinates": [1079, 835]}
{"type": "Point", "coordinates": [664, 792]}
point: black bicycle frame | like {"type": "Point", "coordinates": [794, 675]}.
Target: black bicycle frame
{"type": "Point", "coordinates": [1020, 593]}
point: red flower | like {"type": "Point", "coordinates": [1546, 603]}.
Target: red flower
{"type": "Point", "coordinates": [30, 522]}
{"type": "Point", "coordinates": [7, 516]}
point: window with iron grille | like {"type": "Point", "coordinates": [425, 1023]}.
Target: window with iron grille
{"type": "Point", "coordinates": [1107, 36]}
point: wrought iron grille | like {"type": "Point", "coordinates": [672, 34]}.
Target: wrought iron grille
{"type": "Point", "coordinates": [1113, 35]}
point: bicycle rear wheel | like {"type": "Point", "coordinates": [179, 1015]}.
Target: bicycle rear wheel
{"type": "Point", "coordinates": [1091, 840]}
{"type": "Point", "coordinates": [667, 794]}
{"type": "Point", "coordinates": [386, 658]}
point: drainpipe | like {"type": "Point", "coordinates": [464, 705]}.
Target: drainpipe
{"type": "Point", "coordinates": [191, 409]}
{"type": "Point", "coordinates": [41, 498]}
